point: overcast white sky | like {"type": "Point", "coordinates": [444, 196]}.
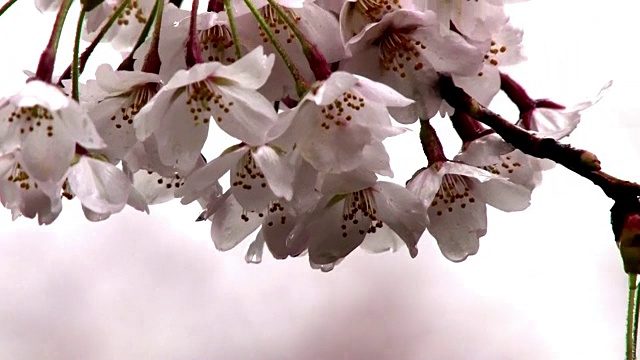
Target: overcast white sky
{"type": "Point", "coordinates": [547, 283]}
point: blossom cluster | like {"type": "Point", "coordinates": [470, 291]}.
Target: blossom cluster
{"type": "Point", "coordinates": [310, 90]}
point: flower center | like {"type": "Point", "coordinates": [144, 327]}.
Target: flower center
{"type": "Point", "coordinates": [18, 176]}
{"type": "Point", "coordinates": [374, 10]}
{"type": "Point", "coordinates": [399, 52]}
{"type": "Point", "coordinates": [33, 118]}
{"type": "Point", "coordinates": [132, 10]}
{"type": "Point", "coordinates": [491, 57]}
{"type": "Point", "coordinates": [138, 97]}
{"type": "Point", "coordinates": [215, 42]}
{"type": "Point", "coordinates": [277, 25]}
{"type": "Point", "coordinates": [248, 173]}
{"type": "Point", "coordinates": [200, 96]}
{"type": "Point", "coordinates": [507, 164]}
{"type": "Point", "coordinates": [342, 110]}
{"type": "Point", "coordinates": [454, 189]}
{"type": "Point", "coordinates": [359, 206]}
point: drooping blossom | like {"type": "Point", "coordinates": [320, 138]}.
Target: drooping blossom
{"type": "Point", "coordinates": [45, 124]}
{"type": "Point", "coordinates": [407, 51]}
{"type": "Point", "coordinates": [456, 195]}
{"type": "Point", "coordinates": [179, 115]}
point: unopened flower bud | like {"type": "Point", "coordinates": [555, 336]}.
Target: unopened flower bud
{"type": "Point", "coordinates": [590, 159]}
{"type": "Point", "coordinates": [625, 220]}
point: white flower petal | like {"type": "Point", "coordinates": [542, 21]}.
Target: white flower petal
{"type": "Point", "coordinates": [47, 158]}
{"type": "Point", "coordinates": [254, 253]}
{"type": "Point", "coordinates": [99, 185]}
{"type": "Point", "coordinates": [251, 71]}
{"type": "Point", "coordinates": [458, 232]}
{"type": "Point", "coordinates": [503, 194]}
{"type": "Point", "coordinates": [200, 180]}
{"type": "Point", "coordinates": [399, 209]}
{"type": "Point", "coordinates": [250, 117]}
{"type": "Point", "coordinates": [278, 174]}
{"type": "Point", "coordinates": [228, 224]}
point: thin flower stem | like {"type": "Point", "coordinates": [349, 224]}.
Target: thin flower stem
{"type": "Point", "coordinates": [152, 61]}
{"type": "Point", "coordinates": [301, 84]}
{"type": "Point", "coordinates": [84, 57]}
{"type": "Point", "coordinates": [6, 6]}
{"type": "Point", "coordinates": [194, 53]}
{"type": "Point", "coordinates": [48, 57]}
{"type": "Point", "coordinates": [228, 7]}
{"type": "Point", "coordinates": [431, 145]}
{"type": "Point", "coordinates": [127, 63]}
{"type": "Point", "coordinates": [75, 71]}
{"type": "Point", "coordinates": [631, 352]}
{"type": "Point", "coordinates": [316, 59]}
{"type": "Point", "coordinates": [635, 321]}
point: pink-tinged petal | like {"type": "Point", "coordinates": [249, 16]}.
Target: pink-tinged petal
{"type": "Point", "coordinates": [100, 186]}
{"type": "Point", "coordinates": [381, 93]}
{"type": "Point", "coordinates": [451, 167]}
{"type": "Point", "coordinates": [230, 224]}
{"type": "Point", "coordinates": [402, 211]}
{"type": "Point", "coordinates": [423, 88]}
{"type": "Point", "coordinates": [425, 183]}
{"type": "Point", "coordinates": [376, 159]}
{"type": "Point", "coordinates": [251, 71]}
{"type": "Point", "coordinates": [47, 158]}
{"type": "Point", "coordinates": [48, 5]}
{"type": "Point", "coordinates": [276, 227]}
{"type": "Point", "coordinates": [458, 231]}
{"type": "Point", "coordinates": [255, 250]}
{"type": "Point", "coordinates": [321, 28]}
{"type": "Point", "coordinates": [79, 127]}
{"type": "Point", "coordinates": [502, 194]}
{"type": "Point", "coordinates": [137, 201]}
{"type": "Point", "coordinates": [37, 92]}
{"type": "Point", "coordinates": [196, 73]}
{"type": "Point", "coordinates": [345, 182]}
{"type": "Point", "coordinates": [250, 189]}
{"type": "Point", "coordinates": [337, 149]}
{"type": "Point", "coordinates": [277, 172]}
{"type": "Point", "coordinates": [120, 82]}
{"type": "Point", "coordinates": [180, 139]}
{"type": "Point", "coordinates": [118, 134]}
{"type": "Point", "coordinates": [94, 216]}
{"type": "Point", "coordinates": [337, 84]}
{"type": "Point", "coordinates": [38, 203]}
{"type": "Point", "coordinates": [333, 238]}
{"type": "Point", "coordinates": [250, 117]}
{"type": "Point", "coordinates": [486, 150]}
{"type": "Point", "coordinates": [9, 129]}
{"type": "Point", "coordinates": [482, 86]}
{"type": "Point", "coordinates": [451, 53]}
{"type": "Point", "coordinates": [198, 183]}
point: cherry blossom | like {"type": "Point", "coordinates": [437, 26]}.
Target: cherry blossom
{"type": "Point", "coordinates": [339, 117]}
{"type": "Point", "coordinates": [122, 96]}
{"type": "Point", "coordinates": [26, 196]}
{"type": "Point", "coordinates": [410, 53]}
{"type": "Point", "coordinates": [457, 195]}
{"type": "Point", "coordinates": [340, 223]}
{"type": "Point", "coordinates": [45, 125]}
{"type": "Point", "coordinates": [102, 188]}
{"type": "Point", "coordinates": [179, 115]}
{"type": "Point", "coordinates": [319, 26]}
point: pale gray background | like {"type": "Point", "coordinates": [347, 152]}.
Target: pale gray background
{"type": "Point", "coordinates": [547, 283]}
